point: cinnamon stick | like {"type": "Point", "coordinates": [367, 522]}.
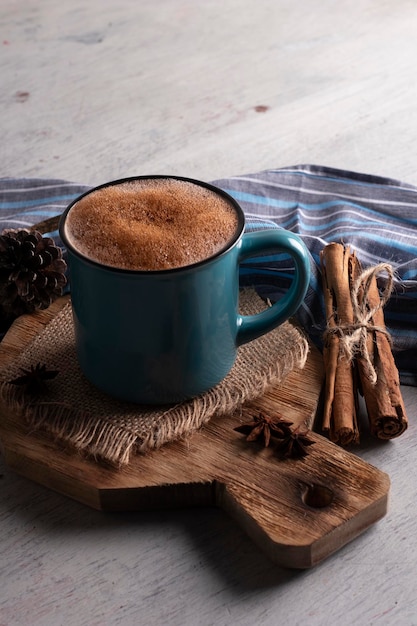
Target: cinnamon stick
{"type": "Point", "coordinates": [380, 383]}
{"type": "Point", "coordinates": [47, 226]}
{"type": "Point", "coordinates": [357, 340]}
{"type": "Point", "coordinates": [340, 395]}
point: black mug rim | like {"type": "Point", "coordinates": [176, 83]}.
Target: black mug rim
{"type": "Point", "coordinates": [230, 244]}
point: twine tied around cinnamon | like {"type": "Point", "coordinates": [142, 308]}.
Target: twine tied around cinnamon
{"type": "Point", "coordinates": [353, 337]}
{"type": "Point", "coordinates": [357, 352]}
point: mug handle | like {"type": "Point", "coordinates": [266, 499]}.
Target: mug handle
{"type": "Point", "coordinates": [252, 326]}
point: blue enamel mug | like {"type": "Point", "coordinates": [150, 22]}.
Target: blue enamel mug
{"type": "Point", "coordinates": [164, 336]}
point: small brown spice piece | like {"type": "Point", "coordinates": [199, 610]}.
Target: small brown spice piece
{"type": "Point", "coordinates": [34, 380]}
{"type": "Point", "coordinates": [294, 444]}
{"type": "Point", "coordinates": [264, 427]}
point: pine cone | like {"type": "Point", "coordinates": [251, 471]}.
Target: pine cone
{"type": "Point", "coordinates": [32, 273]}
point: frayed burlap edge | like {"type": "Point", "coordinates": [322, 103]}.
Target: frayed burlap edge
{"type": "Point", "coordinates": [119, 429]}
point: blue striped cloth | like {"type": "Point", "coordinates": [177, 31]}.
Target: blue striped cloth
{"type": "Point", "coordinates": [376, 216]}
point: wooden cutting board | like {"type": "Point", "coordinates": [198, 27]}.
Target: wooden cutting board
{"type": "Point", "coordinates": [297, 511]}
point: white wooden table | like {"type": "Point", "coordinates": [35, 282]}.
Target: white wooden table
{"type": "Point", "coordinates": [93, 91]}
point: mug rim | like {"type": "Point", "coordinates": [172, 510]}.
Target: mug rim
{"type": "Point", "coordinates": [230, 244]}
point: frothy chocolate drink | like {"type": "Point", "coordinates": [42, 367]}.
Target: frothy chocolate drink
{"type": "Point", "coordinates": [151, 224]}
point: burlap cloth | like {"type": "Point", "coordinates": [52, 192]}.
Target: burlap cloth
{"type": "Point", "coordinates": [79, 416]}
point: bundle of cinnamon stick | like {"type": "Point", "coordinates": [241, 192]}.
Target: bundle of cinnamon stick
{"type": "Point", "coordinates": [357, 350]}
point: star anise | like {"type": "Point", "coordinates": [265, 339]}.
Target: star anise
{"type": "Point", "coordinates": [264, 427]}
{"type": "Point", "coordinates": [294, 444]}
{"type": "Point", "coordinates": [34, 380]}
